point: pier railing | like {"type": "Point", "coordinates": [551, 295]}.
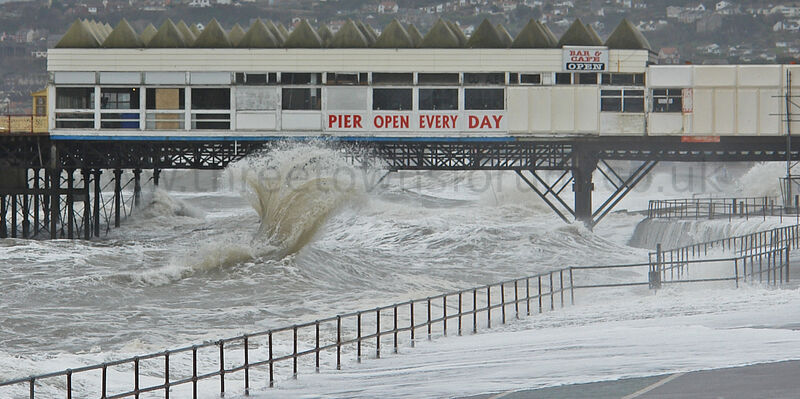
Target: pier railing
{"type": "Point", "coordinates": [27, 123]}
{"type": "Point", "coordinates": [717, 208]}
{"type": "Point", "coordinates": [259, 356]}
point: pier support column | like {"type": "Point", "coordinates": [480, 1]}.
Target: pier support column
{"type": "Point", "coordinates": [87, 219]}
{"type": "Point", "coordinates": [156, 176]}
{"type": "Point", "coordinates": [137, 187]}
{"type": "Point", "coordinates": [70, 203]}
{"type": "Point", "coordinates": [3, 217]}
{"type": "Point", "coordinates": [26, 208]}
{"type": "Point", "coordinates": [96, 209]}
{"type": "Point", "coordinates": [13, 216]}
{"type": "Point", "coordinates": [117, 193]}
{"type": "Point", "coordinates": [55, 201]}
{"type": "Point", "coordinates": [583, 167]}
{"type": "Point", "coordinates": [35, 202]}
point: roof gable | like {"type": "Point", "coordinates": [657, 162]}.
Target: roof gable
{"type": "Point", "coordinates": [349, 36]}
{"type": "Point", "coordinates": [440, 36]}
{"type": "Point", "coordinates": [213, 36]}
{"type": "Point", "coordinates": [123, 36]}
{"type": "Point", "coordinates": [78, 36]}
{"type": "Point", "coordinates": [394, 36]}
{"type": "Point", "coordinates": [303, 36]}
{"type": "Point", "coordinates": [258, 36]}
{"type": "Point", "coordinates": [485, 36]}
{"type": "Point", "coordinates": [167, 37]}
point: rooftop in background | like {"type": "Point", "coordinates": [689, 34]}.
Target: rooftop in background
{"type": "Point", "coordinates": [443, 34]}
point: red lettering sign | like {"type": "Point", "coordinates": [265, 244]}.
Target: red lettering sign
{"type": "Point", "coordinates": [485, 121]}
{"type": "Point", "coordinates": [390, 121]}
{"type": "Point", "coordinates": [344, 121]}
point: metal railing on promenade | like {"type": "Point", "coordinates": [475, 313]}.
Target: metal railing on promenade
{"type": "Point", "coordinates": [375, 330]}
{"type": "Point", "coordinates": [717, 208]}
{"type": "Point", "coordinates": [27, 123]}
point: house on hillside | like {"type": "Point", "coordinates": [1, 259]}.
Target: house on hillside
{"type": "Point", "coordinates": [669, 56]}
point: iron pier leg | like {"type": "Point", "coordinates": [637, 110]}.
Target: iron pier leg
{"type": "Point", "coordinates": [26, 209]}
{"type": "Point", "coordinates": [3, 217]}
{"type": "Point", "coordinates": [13, 216]}
{"type": "Point", "coordinates": [70, 204]}
{"type": "Point", "coordinates": [156, 176]}
{"type": "Point", "coordinates": [96, 210]}
{"type": "Point", "coordinates": [137, 187]}
{"type": "Point", "coordinates": [35, 202]}
{"type": "Point", "coordinates": [584, 166]}
{"type": "Point", "coordinates": [55, 199]}
{"type": "Point", "coordinates": [87, 218]}
{"type": "Point", "coordinates": [117, 193]}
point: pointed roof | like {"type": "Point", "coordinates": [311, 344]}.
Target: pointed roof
{"type": "Point", "coordinates": [148, 33]}
{"type": "Point", "coordinates": [578, 35]}
{"type": "Point", "coordinates": [108, 27]}
{"type": "Point", "coordinates": [325, 34]}
{"type": "Point", "coordinates": [303, 36]}
{"type": "Point", "coordinates": [78, 36]}
{"type": "Point", "coordinates": [236, 34]}
{"type": "Point", "coordinates": [123, 37]}
{"type": "Point", "coordinates": [532, 36]}
{"type": "Point", "coordinates": [282, 29]}
{"type": "Point", "coordinates": [504, 35]}
{"type": "Point", "coordinates": [594, 33]}
{"type": "Point", "coordinates": [462, 38]}
{"type": "Point", "coordinates": [368, 32]}
{"type": "Point", "coordinates": [168, 36]}
{"type": "Point", "coordinates": [626, 36]}
{"type": "Point", "coordinates": [394, 36]}
{"type": "Point", "coordinates": [414, 34]}
{"type": "Point", "coordinates": [550, 34]}
{"type": "Point", "coordinates": [99, 30]}
{"type": "Point", "coordinates": [349, 36]}
{"type": "Point", "coordinates": [277, 34]}
{"type": "Point", "coordinates": [440, 36]}
{"type": "Point", "coordinates": [187, 34]}
{"type": "Point", "coordinates": [92, 27]}
{"type": "Point", "coordinates": [258, 36]}
{"type": "Point", "coordinates": [195, 30]}
{"type": "Point", "coordinates": [485, 36]}
{"type": "Point", "coordinates": [213, 36]}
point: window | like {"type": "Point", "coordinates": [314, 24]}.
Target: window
{"type": "Point", "coordinates": [301, 99]}
{"type": "Point", "coordinates": [391, 99]}
{"type": "Point", "coordinates": [119, 98]}
{"type": "Point", "coordinates": [433, 79]}
{"type": "Point", "coordinates": [75, 97]}
{"type": "Point", "coordinates": [392, 78]}
{"type": "Point", "coordinates": [164, 108]}
{"type": "Point", "coordinates": [530, 78]}
{"type": "Point", "coordinates": [438, 99]}
{"type": "Point", "coordinates": [622, 100]}
{"type": "Point", "coordinates": [334, 78]}
{"type": "Point", "coordinates": [623, 79]}
{"type": "Point", "coordinates": [256, 79]}
{"type": "Point", "coordinates": [486, 79]}
{"type": "Point", "coordinates": [206, 101]}
{"type": "Point", "coordinates": [211, 99]}
{"type": "Point", "coordinates": [293, 78]}
{"type": "Point", "coordinates": [74, 120]}
{"type": "Point", "coordinates": [484, 99]}
{"type": "Point", "coordinates": [41, 106]}
{"type": "Point", "coordinates": [563, 78]}
{"type": "Point", "coordinates": [667, 100]}
{"type": "Point", "coordinates": [586, 78]}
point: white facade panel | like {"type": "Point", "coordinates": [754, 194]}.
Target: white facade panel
{"type": "Point", "coordinates": [256, 121]}
{"type": "Point", "coordinates": [747, 101]}
{"type": "Point", "coordinates": [703, 112]}
{"type": "Point", "coordinates": [562, 113]}
{"type": "Point", "coordinates": [587, 107]}
{"type": "Point", "coordinates": [346, 98]}
{"type": "Point", "coordinates": [725, 112]}
{"type": "Point", "coordinates": [759, 75]}
{"type": "Point", "coordinates": [769, 122]}
{"type": "Point", "coordinates": [665, 123]}
{"type": "Point", "coordinates": [540, 110]}
{"type": "Point", "coordinates": [210, 78]}
{"type": "Point", "coordinates": [677, 76]}
{"type": "Point", "coordinates": [81, 78]}
{"type": "Point", "coordinates": [165, 78]}
{"type": "Point", "coordinates": [301, 120]}
{"type": "Point", "coordinates": [256, 98]}
{"type": "Point", "coordinates": [118, 78]}
{"type": "Point", "coordinates": [714, 76]}
{"type": "Point", "coordinates": [621, 124]}
{"type": "Point", "coordinates": [517, 109]}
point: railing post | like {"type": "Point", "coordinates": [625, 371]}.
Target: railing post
{"type": "Point", "coordinates": [444, 315]}
{"type": "Point", "coordinates": [69, 381]}
{"type": "Point", "coordinates": [540, 293]}
{"type": "Point", "coordinates": [571, 288]}
{"type": "Point", "coordinates": [561, 285]}
{"type": "Point", "coordinates": [736, 270]}
{"type": "Point", "coordinates": [194, 371]}
{"type": "Point", "coordinates": [378, 333]}
{"type": "Point", "coordinates": [488, 306]}
{"type": "Point", "coordinates": [787, 263]}
{"type": "Point", "coordinates": [411, 314]}
{"type": "Point", "coordinates": [460, 311]}
{"type": "Point", "coordinates": [272, 361]}
{"type": "Point", "coordinates": [316, 348]}
{"type": "Point", "coordinates": [358, 337]}
{"type": "Point", "coordinates": [166, 374]}
{"type": "Point", "coordinates": [516, 299]}
{"type": "Point", "coordinates": [429, 318]}
{"type": "Point", "coordinates": [338, 342]}
{"type": "Point", "coordinates": [552, 301]}
{"type": "Point", "coordinates": [503, 302]}
{"type": "Point", "coordinates": [475, 311]}
{"type": "Point", "coordinates": [32, 393]}
{"type": "Point", "coordinates": [103, 383]}
{"type": "Point", "coordinates": [136, 377]}
{"type": "Point", "coordinates": [395, 328]}
{"type": "Point", "coordinates": [246, 366]}
{"type": "Point", "coordinates": [221, 368]}
{"type": "Point", "coordinates": [528, 295]}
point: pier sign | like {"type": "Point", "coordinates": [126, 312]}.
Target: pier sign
{"type": "Point", "coordinates": [578, 59]}
{"type": "Point", "coordinates": [478, 121]}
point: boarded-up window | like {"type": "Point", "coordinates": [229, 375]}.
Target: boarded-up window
{"type": "Point", "coordinates": [159, 103]}
{"type": "Point", "coordinates": [347, 98]}
{"type": "Point", "coordinates": [256, 98]}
